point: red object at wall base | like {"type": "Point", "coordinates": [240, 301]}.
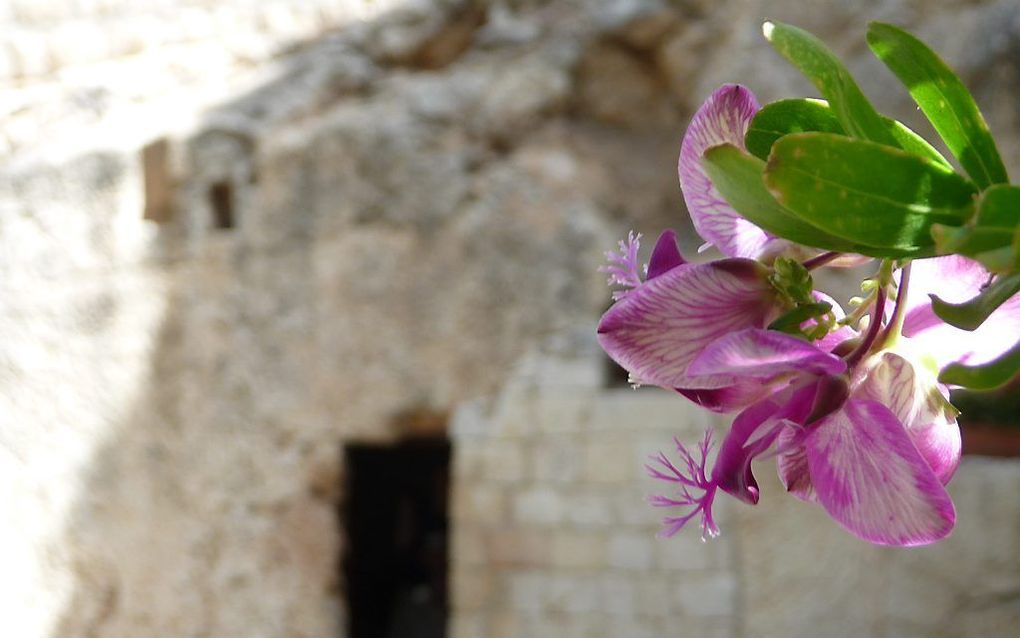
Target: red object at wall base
{"type": "Point", "coordinates": [991, 440]}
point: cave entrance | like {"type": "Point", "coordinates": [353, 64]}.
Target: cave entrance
{"type": "Point", "coordinates": [396, 518]}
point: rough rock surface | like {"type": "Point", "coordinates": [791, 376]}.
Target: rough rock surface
{"type": "Point", "coordinates": [415, 195]}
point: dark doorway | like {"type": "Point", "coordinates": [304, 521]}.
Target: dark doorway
{"type": "Point", "coordinates": [221, 198]}
{"type": "Point", "coordinates": [395, 564]}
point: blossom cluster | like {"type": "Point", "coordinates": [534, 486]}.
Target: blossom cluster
{"type": "Point", "coordinates": [849, 404]}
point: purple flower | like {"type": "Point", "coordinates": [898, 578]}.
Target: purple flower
{"type": "Point", "coordinates": [857, 422]}
{"type": "Point", "coordinates": [873, 445]}
{"type": "Point", "coordinates": [956, 279]}
{"type": "Point", "coordinates": [659, 325]}
{"type": "Point", "coordinates": [722, 119]}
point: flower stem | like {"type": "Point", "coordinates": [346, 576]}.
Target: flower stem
{"type": "Point", "coordinates": [820, 260]}
{"type": "Point", "coordinates": [892, 331]}
{"type": "Point", "coordinates": [877, 311]}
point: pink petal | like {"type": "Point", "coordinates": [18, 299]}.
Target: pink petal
{"type": "Point", "coordinates": [955, 279]}
{"type": "Point", "coordinates": [753, 432]}
{"type": "Point", "coordinates": [872, 480]}
{"type": "Point", "coordinates": [792, 465]}
{"type": "Point", "coordinates": [665, 256]}
{"type": "Point", "coordinates": [732, 470]}
{"type": "Point", "coordinates": [722, 119]}
{"type": "Point", "coordinates": [916, 400]}
{"type": "Point", "coordinates": [659, 328]}
{"type": "Point", "coordinates": [763, 354]}
{"type": "Point", "coordinates": [742, 393]}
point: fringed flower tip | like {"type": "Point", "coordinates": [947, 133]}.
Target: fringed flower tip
{"type": "Point", "coordinates": [693, 488]}
{"type": "Point", "coordinates": [623, 267]}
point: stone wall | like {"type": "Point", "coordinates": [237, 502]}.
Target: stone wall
{"type": "Point", "coordinates": [553, 537]}
{"type": "Point", "coordinates": [418, 196]}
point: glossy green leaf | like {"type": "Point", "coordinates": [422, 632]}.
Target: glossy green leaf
{"type": "Point", "coordinates": [969, 241]}
{"type": "Point", "coordinates": [944, 99]}
{"type": "Point", "coordinates": [791, 321]}
{"type": "Point", "coordinates": [986, 376]}
{"type": "Point", "coordinates": [853, 110]}
{"type": "Point", "coordinates": [999, 207]}
{"type": "Point", "coordinates": [799, 115]}
{"type": "Point", "coordinates": [865, 192]}
{"type": "Point", "coordinates": [911, 142]}
{"type": "Point", "coordinates": [804, 115]}
{"type": "Point", "coordinates": [992, 237]}
{"type": "Point", "coordinates": [970, 314]}
{"type": "Point", "coordinates": [738, 178]}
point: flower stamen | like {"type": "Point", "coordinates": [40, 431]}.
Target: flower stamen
{"type": "Point", "coordinates": [688, 482]}
{"type": "Point", "coordinates": [623, 267]}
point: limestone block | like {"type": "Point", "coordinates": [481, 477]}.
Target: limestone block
{"type": "Point", "coordinates": [504, 461]}
{"type": "Point", "coordinates": [653, 594]}
{"type": "Point", "coordinates": [541, 506]}
{"type": "Point", "coordinates": [588, 508]}
{"type": "Point", "coordinates": [609, 459]}
{"type": "Point", "coordinates": [578, 550]}
{"type": "Point", "coordinates": [468, 625]}
{"type": "Point", "coordinates": [570, 594]}
{"type": "Point", "coordinates": [479, 504]}
{"type": "Point", "coordinates": [686, 550]}
{"type": "Point", "coordinates": [631, 509]}
{"type": "Point", "coordinates": [706, 594]}
{"type": "Point", "coordinates": [515, 547]}
{"type": "Point", "coordinates": [630, 550]}
{"type": "Point", "coordinates": [650, 409]}
{"type": "Point", "coordinates": [556, 460]}
{"type": "Point", "coordinates": [504, 624]}
{"type": "Point", "coordinates": [527, 591]}
{"type": "Point", "coordinates": [468, 546]}
{"type": "Point", "coordinates": [560, 411]}
{"type": "Point", "coordinates": [619, 595]}
{"type": "Point", "coordinates": [514, 412]}
{"type": "Point", "coordinates": [470, 589]}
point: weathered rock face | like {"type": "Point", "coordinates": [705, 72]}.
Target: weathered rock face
{"type": "Point", "coordinates": [360, 218]}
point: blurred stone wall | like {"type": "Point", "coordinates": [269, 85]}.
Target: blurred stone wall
{"type": "Point", "coordinates": [552, 532]}
{"type": "Point", "coordinates": [418, 192]}
{"type": "Point", "coordinates": [552, 535]}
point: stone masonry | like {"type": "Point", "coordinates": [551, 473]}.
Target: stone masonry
{"type": "Point", "coordinates": [237, 235]}
{"type": "Point", "coordinates": [552, 532]}
{"type": "Point", "coordinates": [553, 537]}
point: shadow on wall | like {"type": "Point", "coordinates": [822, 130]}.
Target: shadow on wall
{"type": "Point", "coordinates": [387, 226]}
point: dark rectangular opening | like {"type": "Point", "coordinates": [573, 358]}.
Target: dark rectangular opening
{"type": "Point", "coordinates": [158, 181]}
{"type": "Point", "coordinates": [221, 199]}
{"type": "Point", "coordinates": [395, 512]}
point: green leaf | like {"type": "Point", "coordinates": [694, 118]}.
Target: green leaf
{"type": "Point", "coordinates": [853, 110]}
{"type": "Point", "coordinates": [944, 99]}
{"type": "Point", "coordinates": [992, 237]}
{"type": "Point", "coordinates": [911, 142]}
{"type": "Point", "coordinates": [865, 192]}
{"type": "Point", "coordinates": [999, 207]}
{"type": "Point", "coordinates": [791, 321]}
{"type": "Point", "coordinates": [799, 115]}
{"type": "Point", "coordinates": [970, 314]}
{"type": "Point", "coordinates": [986, 376]}
{"type": "Point", "coordinates": [738, 178]}
{"type": "Point", "coordinates": [1000, 261]}
{"type": "Point", "coordinates": [969, 241]}
{"type": "Point", "coordinates": [803, 115]}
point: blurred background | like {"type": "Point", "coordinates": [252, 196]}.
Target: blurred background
{"type": "Point", "coordinates": [297, 303]}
